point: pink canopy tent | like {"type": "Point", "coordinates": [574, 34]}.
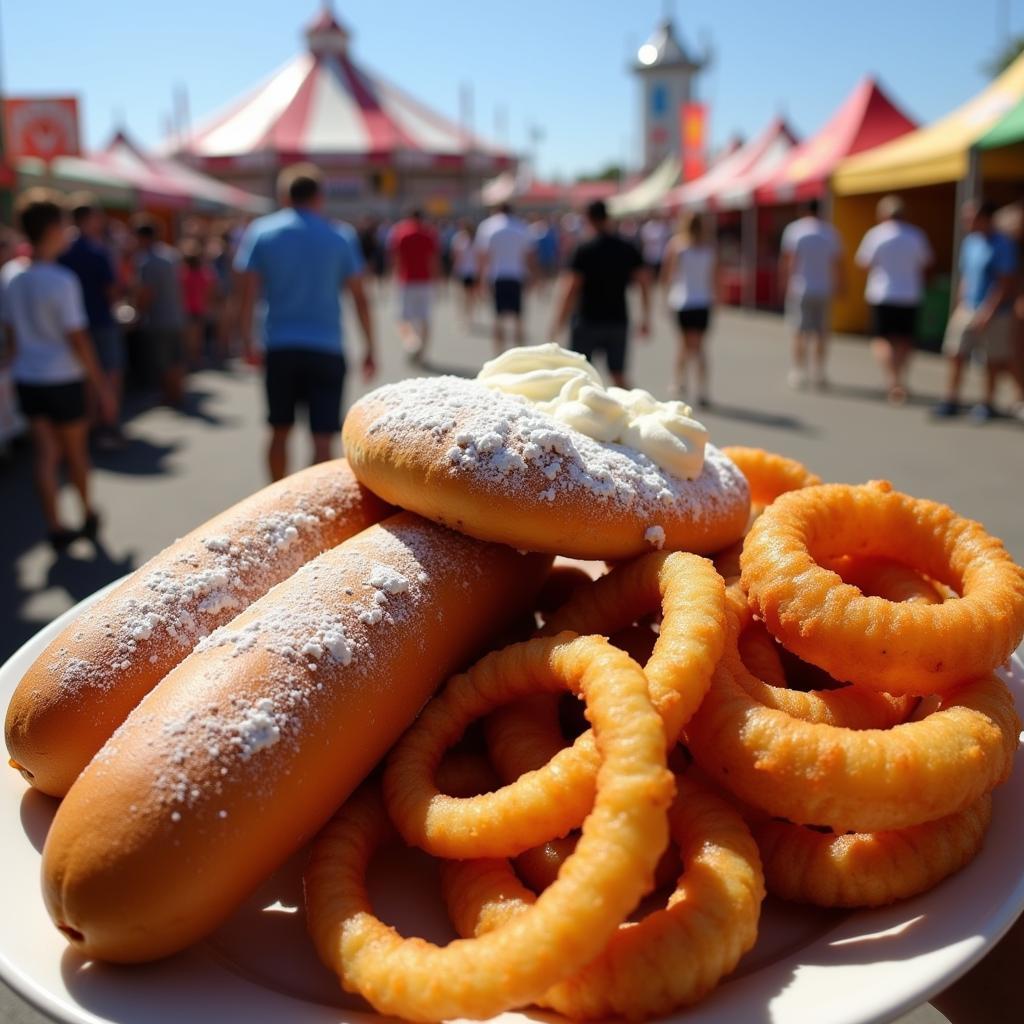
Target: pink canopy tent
{"type": "Point", "coordinates": [866, 118]}
{"type": "Point", "coordinates": [767, 148]}
{"type": "Point", "coordinates": [168, 184]}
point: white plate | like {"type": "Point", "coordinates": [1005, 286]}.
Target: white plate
{"type": "Point", "coordinates": [809, 966]}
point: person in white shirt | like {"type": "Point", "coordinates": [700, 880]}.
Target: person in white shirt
{"type": "Point", "coordinates": [811, 274]}
{"type": "Point", "coordinates": [52, 357]}
{"type": "Point", "coordinates": [505, 248]}
{"type": "Point", "coordinates": [896, 255]}
{"type": "Point", "coordinates": [688, 276]}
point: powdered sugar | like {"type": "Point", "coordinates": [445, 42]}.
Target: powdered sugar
{"type": "Point", "coordinates": [202, 588]}
{"type": "Point", "coordinates": [503, 443]}
{"type": "Point", "coordinates": [655, 536]}
{"type": "Point", "coordinates": [313, 644]}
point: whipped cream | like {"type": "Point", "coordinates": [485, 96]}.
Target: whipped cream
{"type": "Point", "coordinates": [566, 387]}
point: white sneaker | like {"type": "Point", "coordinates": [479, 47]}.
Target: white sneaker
{"type": "Point", "coordinates": [797, 378]}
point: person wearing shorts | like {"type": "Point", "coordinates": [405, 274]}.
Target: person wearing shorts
{"type": "Point", "coordinates": [89, 259]}
{"type": "Point", "coordinates": [593, 293]}
{"type": "Point", "coordinates": [810, 270]}
{"type": "Point", "coordinates": [981, 326]}
{"type": "Point", "coordinates": [45, 325]}
{"type": "Point", "coordinates": [507, 258]}
{"type": "Point", "coordinates": [896, 255]}
{"type": "Point", "coordinates": [415, 255]}
{"type": "Point", "coordinates": [162, 309]}
{"type": "Point", "coordinates": [301, 262]}
{"type": "Point", "coordinates": [689, 279]}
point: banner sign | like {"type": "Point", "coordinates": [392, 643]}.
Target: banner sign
{"type": "Point", "coordinates": [43, 127]}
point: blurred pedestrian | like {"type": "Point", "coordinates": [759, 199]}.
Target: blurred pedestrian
{"type": "Point", "coordinates": [654, 235]}
{"type": "Point", "coordinates": [198, 283]}
{"type": "Point", "coordinates": [545, 242]}
{"type": "Point", "coordinates": [507, 263]}
{"type": "Point", "coordinates": [466, 267]}
{"type": "Point", "coordinates": [415, 255]}
{"type": "Point", "coordinates": [896, 255]}
{"type": "Point", "coordinates": [593, 293]}
{"type": "Point", "coordinates": [52, 356]}
{"type": "Point", "coordinates": [688, 276]}
{"type": "Point", "coordinates": [89, 258]}
{"type": "Point", "coordinates": [161, 308]}
{"type": "Point", "coordinates": [811, 275]}
{"type": "Point", "coordinates": [220, 255]}
{"type": "Point", "coordinates": [299, 263]}
{"type": "Point", "coordinates": [371, 246]}
{"type": "Point", "coordinates": [982, 323]}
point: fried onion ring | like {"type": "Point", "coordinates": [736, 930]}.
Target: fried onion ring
{"type": "Point", "coordinates": [896, 647]}
{"type": "Point", "coordinates": [868, 869]}
{"type": "Point", "coordinates": [623, 837]}
{"type": "Point", "coordinates": [555, 783]}
{"type": "Point", "coordinates": [853, 780]}
{"type": "Point", "coordinates": [530, 812]}
{"type": "Point", "coordinates": [673, 956]}
{"type": "Point", "coordinates": [768, 475]}
{"type": "Point", "coordinates": [850, 707]}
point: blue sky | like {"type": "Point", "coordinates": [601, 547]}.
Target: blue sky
{"type": "Point", "coordinates": [560, 64]}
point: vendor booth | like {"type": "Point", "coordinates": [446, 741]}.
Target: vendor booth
{"type": "Point", "coordinates": [738, 258]}
{"type": "Point", "coordinates": [934, 169]}
{"type": "Point", "coordinates": [865, 119]}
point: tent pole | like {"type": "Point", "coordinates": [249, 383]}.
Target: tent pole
{"type": "Point", "coordinates": [967, 188]}
{"type": "Point", "coordinates": [748, 231]}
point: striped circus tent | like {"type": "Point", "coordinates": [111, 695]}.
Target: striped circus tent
{"type": "Point", "coordinates": [371, 138]}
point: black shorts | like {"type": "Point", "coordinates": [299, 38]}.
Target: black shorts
{"type": "Point", "coordinates": [508, 295]}
{"type": "Point", "coordinates": [468, 282]}
{"type": "Point", "coordinates": [694, 319]}
{"type": "Point", "coordinates": [58, 403]}
{"type": "Point", "coordinates": [298, 376]}
{"type": "Point", "coordinates": [891, 321]}
{"type": "Point", "coordinates": [589, 339]}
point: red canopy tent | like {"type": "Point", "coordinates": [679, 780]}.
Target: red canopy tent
{"type": "Point", "coordinates": [867, 118]}
{"type": "Point", "coordinates": [770, 145]}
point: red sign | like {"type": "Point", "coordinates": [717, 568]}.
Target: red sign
{"type": "Point", "coordinates": [44, 127]}
{"type": "Point", "coordinates": [693, 120]}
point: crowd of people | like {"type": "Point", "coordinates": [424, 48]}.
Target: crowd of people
{"type": "Point", "coordinates": [80, 302]}
{"type": "Point", "coordinates": [79, 295]}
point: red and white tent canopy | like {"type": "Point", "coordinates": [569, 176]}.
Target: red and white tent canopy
{"type": "Point", "coordinates": [766, 149]}
{"type": "Point", "coordinates": [322, 106]}
{"type": "Point", "coordinates": [166, 183]}
{"type": "Point", "coordinates": [866, 118]}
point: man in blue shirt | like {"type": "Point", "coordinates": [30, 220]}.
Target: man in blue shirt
{"type": "Point", "coordinates": [89, 259]}
{"type": "Point", "coordinates": [982, 322]}
{"type": "Point", "coordinates": [299, 262]}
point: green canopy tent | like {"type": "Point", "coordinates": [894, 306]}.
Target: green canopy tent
{"type": "Point", "coordinates": [1007, 131]}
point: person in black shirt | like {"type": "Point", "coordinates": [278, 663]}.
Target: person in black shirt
{"type": "Point", "coordinates": [600, 271]}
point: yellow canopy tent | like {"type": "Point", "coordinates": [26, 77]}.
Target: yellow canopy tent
{"type": "Point", "coordinates": [931, 168]}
